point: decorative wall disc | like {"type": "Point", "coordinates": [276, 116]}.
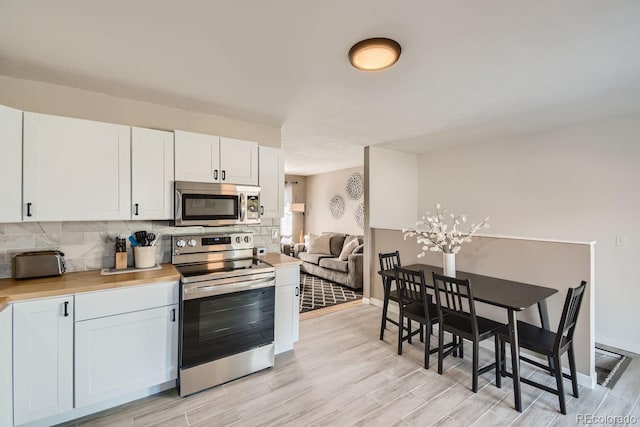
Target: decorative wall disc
{"type": "Point", "coordinates": [355, 186]}
{"type": "Point", "coordinates": [359, 216]}
{"type": "Point", "coordinates": [336, 206]}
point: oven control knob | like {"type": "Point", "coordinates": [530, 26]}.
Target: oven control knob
{"type": "Point", "coordinates": [191, 242]}
{"type": "Point", "coordinates": [181, 243]}
{"type": "Point", "coordinates": [247, 239]}
{"type": "Point", "coordinates": [238, 239]}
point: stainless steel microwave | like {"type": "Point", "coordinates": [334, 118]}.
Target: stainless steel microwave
{"type": "Point", "coordinates": [210, 204]}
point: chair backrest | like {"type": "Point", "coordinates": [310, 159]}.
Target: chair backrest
{"type": "Point", "coordinates": [569, 318]}
{"type": "Point", "coordinates": [454, 297]}
{"type": "Point", "coordinates": [389, 261]}
{"type": "Point", "coordinates": [412, 288]}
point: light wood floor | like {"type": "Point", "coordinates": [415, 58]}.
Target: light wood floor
{"type": "Point", "coordinates": [341, 374]}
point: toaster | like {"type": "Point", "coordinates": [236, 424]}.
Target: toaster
{"type": "Point", "coordinates": [29, 265]}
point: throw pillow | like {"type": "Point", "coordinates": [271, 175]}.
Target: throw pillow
{"type": "Point", "coordinates": [347, 249]}
{"type": "Point", "coordinates": [319, 244]}
{"type": "Point", "coordinates": [359, 249]}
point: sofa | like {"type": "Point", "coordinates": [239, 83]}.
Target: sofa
{"type": "Point", "coordinates": [329, 266]}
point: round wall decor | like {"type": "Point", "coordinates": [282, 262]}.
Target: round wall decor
{"type": "Point", "coordinates": [355, 186]}
{"type": "Point", "coordinates": [359, 216]}
{"type": "Point", "coordinates": [336, 206]}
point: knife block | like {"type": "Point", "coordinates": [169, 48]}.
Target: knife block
{"type": "Point", "coordinates": [121, 260]}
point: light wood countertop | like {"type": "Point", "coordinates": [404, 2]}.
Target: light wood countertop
{"type": "Point", "coordinates": [279, 260]}
{"type": "Point", "coordinates": [12, 290]}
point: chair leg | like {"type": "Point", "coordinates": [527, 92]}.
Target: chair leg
{"type": "Point", "coordinates": [461, 350]}
{"type": "Point", "coordinates": [476, 351]}
{"type": "Point", "coordinates": [560, 385]}
{"type": "Point", "coordinates": [572, 368]}
{"type": "Point", "coordinates": [421, 333]}
{"type": "Point", "coordinates": [383, 323]}
{"type": "Point", "coordinates": [498, 362]}
{"type": "Point", "coordinates": [427, 348]}
{"type": "Point", "coordinates": [503, 357]}
{"type": "Point", "coordinates": [400, 331]}
{"type": "Point", "coordinates": [440, 350]}
{"type": "Point", "coordinates": [454, 341]}
{"type": "Point", "coordinates": [409, 327]}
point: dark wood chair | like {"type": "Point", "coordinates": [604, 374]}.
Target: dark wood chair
{"type": "Point", "coordinates": [415, 304]}
{"type": "Point", "coordinates": [388, 261]}
{"type": "Point", "coordinates": [457, 315]}
{"type": "Point", "coordinates": [550, 344]}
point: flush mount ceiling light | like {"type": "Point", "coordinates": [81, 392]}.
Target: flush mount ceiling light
{"type": "Point", "coordinates": [374, 54]}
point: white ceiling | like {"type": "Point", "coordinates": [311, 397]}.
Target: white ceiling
{"type": "Point", "coordinates": [469, 71]}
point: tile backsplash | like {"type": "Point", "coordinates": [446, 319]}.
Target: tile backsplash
{"type": "Point", "coordinates": [91, 245]}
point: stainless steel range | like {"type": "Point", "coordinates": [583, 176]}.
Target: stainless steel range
{"type": "Point", "coordinates": [227, 315]}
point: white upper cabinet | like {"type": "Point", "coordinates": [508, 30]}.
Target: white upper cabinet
{"type": "Point", "coordinates": [75, 170]}
{"type": "Point", "coordinates": [151, 174]}
{"type": "Point", "coordinates": [238, 161]}
{"type": "Point", "coordinates": [11, 164]}
{"type": "Point", "coordinates": [271, 180]}
{"type": "Point", "coordinates": [197, 157]}
{"type": "Point", "coordinates": [208, 158]}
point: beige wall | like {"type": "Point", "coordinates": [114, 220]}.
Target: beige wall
{"type": "Point", "coordinates": [578, 183]}
{"type": "Point", "coordinates": [394, 177]}
{"type": "Point", "coordinates": [320, 189]}
{"type": "Point", "coordinates": [49, 98]}
{"type": "Point", "coordinates": [552, 264]}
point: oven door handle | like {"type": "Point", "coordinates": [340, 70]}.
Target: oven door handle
{"type": "Point", "coordinates": [211, 290]}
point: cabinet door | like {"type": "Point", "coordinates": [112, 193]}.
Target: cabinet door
{"type": "Point", "coordinates": [151, 174]}
{"type": "Point", "coordinates": [271, 181]}
{"type": "Point", "coordinates": [238, 161]}
{"type": "Point", "coordinates": [122, 354]}
{"type": "Point", "coordinates": [197, 157]}
{"type": "Point", "coordinates": [287, 308]}
{"type": "Point", "coordinates": [11, 164]}
{"type": "Point", "coordinates": [75, 169]}
{"type": "Point", "coordinates": [42, 358]}
{"type": "Point", "coordinates": [6, 367]}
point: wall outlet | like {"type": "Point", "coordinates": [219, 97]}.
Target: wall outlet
{"type": "Point", "coordinates": [621, 240]}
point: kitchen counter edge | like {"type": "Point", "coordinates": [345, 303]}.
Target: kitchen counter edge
{"type": "Point", "coordinates": [279, 260]}
{"type": "Point", "coordinates": [12, 290]}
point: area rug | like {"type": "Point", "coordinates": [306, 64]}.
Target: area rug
{"type": "Point", "coordinates": [319, 293]}
{"type": "Point", "coordinates": [610, 366]}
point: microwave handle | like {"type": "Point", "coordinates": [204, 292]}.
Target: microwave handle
{"type": "Point", "coordinates": [243, 207]}
{"type": "Point", "coordinates": [178, 206]}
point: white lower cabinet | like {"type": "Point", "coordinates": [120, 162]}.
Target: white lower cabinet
{"type": "Point", "coordinates": [287, 312]}
{"type": "Point", "coordinates": [120, 354]}
{"type": "Point", "coordinates": [105, 348]}
{"type": "Point", "coordinates": [6, 367]}
{"type": "Point", "coordinates": [42, 358]}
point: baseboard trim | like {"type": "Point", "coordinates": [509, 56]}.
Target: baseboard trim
{"type": "Point", "coordinates": [98, 407]}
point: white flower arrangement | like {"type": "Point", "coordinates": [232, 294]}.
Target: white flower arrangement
{"type": "Point", "coordinates": [438, 236]}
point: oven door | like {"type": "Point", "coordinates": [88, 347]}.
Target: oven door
{"type": "Point", "coordinates": [221, 321]}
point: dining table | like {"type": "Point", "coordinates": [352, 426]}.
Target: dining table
{"type": "Point", "coordinates": [511, 295]}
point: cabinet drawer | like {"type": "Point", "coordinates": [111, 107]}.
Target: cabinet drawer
{"type": "Point", "coordinates": [93, 305]}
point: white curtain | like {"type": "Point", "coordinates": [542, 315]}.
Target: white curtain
{"type": "Point", "coordinates": [285, 222]}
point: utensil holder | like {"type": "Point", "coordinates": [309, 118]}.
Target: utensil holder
{"type": "Point", "coordinates": [144, 256]}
